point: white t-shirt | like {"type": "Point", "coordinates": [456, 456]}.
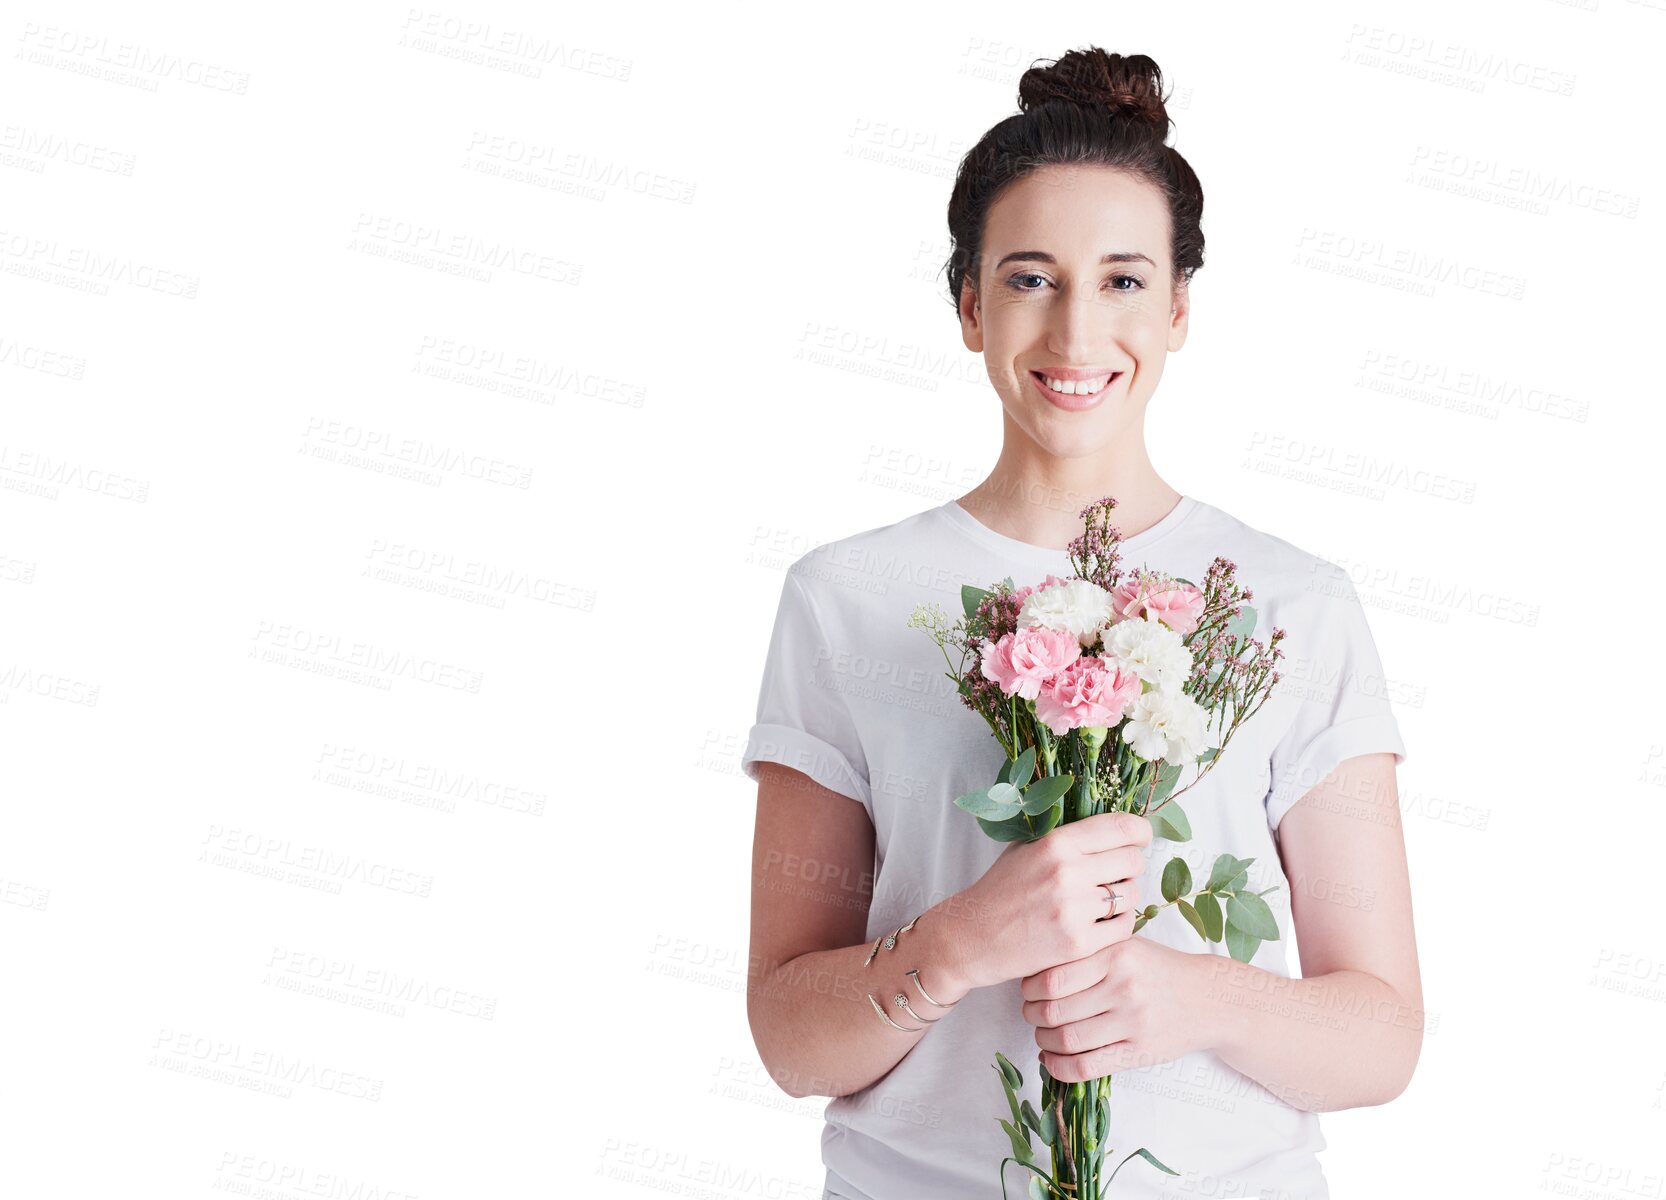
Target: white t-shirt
{"type": "Point", "coordinates": [860, 702]}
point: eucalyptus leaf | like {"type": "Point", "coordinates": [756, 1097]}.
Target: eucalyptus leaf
{"type": "Point", "coordinates": [1030, 1117]}
{"type": "Point", "coordinates": [1250, 913]}
{"type": "Point", "coordinates": [1021, 770]}
{"type": "Point", "coordinates": [1051, 819]}
{"type": "Point", "coordinates": [1044, 793]}
{"type": "Point", "coordinates": [1171, 823]}
{"type": "Point", "coordinates": [1177, 879]}
{"type": "Point", "coordinates": [1226, 867]}
{"type": "Point", "coordinates": [1209, 908]}
{"type": "Point", "coordinates": [1013, 829]}
{"type": "Point", "coordinates": [1039, 1190]}
{"type": "Point", "coordinates": [970, 598]}
{"type": "Point", "coordinates": [1242, 946]}
{"type": "Point", "coordinates": [1006, 796]}
{"type": "Point", "coordinates": [1192, 919]}
{"type": "Point", "coordinates": [1168, 774]}
{"type": "Point", "coordinates": [1049, 1127]}
{"type": "Point", "coordinates": [982, 804]}
{"type": "Point", "coordinates": [1208, 755]}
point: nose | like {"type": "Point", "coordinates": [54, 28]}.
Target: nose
{"type": "Point", "coordinates": [1083, 325]}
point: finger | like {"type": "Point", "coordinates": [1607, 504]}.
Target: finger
{"type": "Point", "coordinates": [1091, 1001]}
{"type": "Point", "coordinates": [1098, 900]}
{"type": "Point", "coordinates": [1115, 930]}
{"type": "Point", "coordinates": [1117, 865]}
{"type": "Point", "coordinates": [1080, 1037]}
{"type": "Point", "coordinates": [1104, 831]}
{"type": "Point", "coordinates": [1081, 1068]}
{"type": "Point", "coordinates": [1068, 978]}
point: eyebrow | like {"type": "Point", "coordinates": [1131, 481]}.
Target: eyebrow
{"type": "Point", "coordinates": [1115, 256]}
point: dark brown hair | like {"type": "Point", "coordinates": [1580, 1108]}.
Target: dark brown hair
{"type": "Point", "coordinates": [1087, 107]}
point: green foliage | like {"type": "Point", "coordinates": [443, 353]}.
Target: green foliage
{"type": "Point", "coordinates": [1019, 771]}
{"type": "Point", "coordinates": [1142, 1152]}
{"type": "Point", "coordinates": [1227, 868]}
{"type": "Point", "coordinates": [1222, 910]}
{"type": "Point", "coordinates": [1044, 793]}
{"type": "Point", "coordinates": [1008, 831]}
{"type": "Point", "coordinates": [1009, 812]}
{"type": "Point", "coordinates": [1209, 911]}
{"type": "Point", "coordinates": [1170, 822]}
{"type": "Point", "coordinates": [1192, 919]}
{"type": "Point", "coordinates": [1240, 944]}
{"type": "Point", "coordinates": [1250, 914]}
{"type": "Point", "coordinates": [1177, 879]}
{"type": "Point", "coordinates": [1168, 774]}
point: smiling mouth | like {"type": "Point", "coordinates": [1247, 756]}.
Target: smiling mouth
{"type": "Point", "coordinates": [1079, 396]}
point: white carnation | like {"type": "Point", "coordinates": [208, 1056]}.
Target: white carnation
{"type": "Point", "coordinates": [1167, 725]}
{"type": "Point", "coordinates": [1152, 650]}
{"type": "Point", "coordinates": [1080, 606]}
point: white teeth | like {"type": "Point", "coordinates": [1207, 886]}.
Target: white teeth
{"type": "Point", "coordinates": [1078, 387]}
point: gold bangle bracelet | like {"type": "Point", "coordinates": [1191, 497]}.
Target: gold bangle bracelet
{"type": "Point", "coordinates": [886, 1017]}
{"type": "Point", "coordinates": [902, 1003]}
{"type": "Point", "coordinates": [889, 940]}
{"type": "Point", "coordinates": [915, 976]}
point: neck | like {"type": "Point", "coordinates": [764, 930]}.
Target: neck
{"type": "Point", "coordinates": [1038, 497]}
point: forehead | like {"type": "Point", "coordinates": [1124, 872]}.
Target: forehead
{"type": "Point", "coordinates": [1077, 214]}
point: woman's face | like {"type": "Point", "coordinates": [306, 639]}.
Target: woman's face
{"type": "Point", "coordinates": [1049, 301]}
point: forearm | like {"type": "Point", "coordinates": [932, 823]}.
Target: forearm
{"type": "Point", "coordinates": [1341, 1040]}
{"type": "Point", "coordinates": [817, 1031]}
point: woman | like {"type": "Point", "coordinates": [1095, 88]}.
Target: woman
{"type": "Point", "coordinates": [1072, 223]}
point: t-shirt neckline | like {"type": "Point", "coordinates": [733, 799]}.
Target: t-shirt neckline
{"type": "Point", "coordinates": [963, 520]}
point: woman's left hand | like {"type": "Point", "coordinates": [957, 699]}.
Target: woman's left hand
{"type": "Point", "coordinates": [1134, 1004]}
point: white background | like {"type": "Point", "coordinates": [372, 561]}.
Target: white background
{"type": "Point", "coordinates": [381, 629]}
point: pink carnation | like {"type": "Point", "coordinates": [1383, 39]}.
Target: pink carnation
{"type": "Point", "coordinates": [1177, 605]}
{"type": "Point", "coordinates": [1090, 691]}
{"type": "Point", "coordinates": [1022, 662]}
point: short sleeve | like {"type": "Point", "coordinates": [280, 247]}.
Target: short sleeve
{"type": "Point", "coordinates": [1332, 666]}
{"type": "Point", "coordinates": [803, 720]}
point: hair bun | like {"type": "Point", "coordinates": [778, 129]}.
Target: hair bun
{"type": "Point", "coordinates": [1129, 86]}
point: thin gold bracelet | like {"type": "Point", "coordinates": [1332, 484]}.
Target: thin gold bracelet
{"type": "Point", "coordinates": [915, 976]}
{"type": "Point", "coordinates": [902, 1003]}
{"type": "Point", "coordinates": [889, 940]}
{"type": "Point", "coordinates": [884, 1016]}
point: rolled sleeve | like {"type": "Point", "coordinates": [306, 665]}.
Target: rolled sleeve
{"type": "Point", "coordinates": [803, 720]}
{"type": "Point", "coordinates": [1343, 708]}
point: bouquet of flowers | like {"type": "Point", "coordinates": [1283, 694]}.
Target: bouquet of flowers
{"type": "Point", "coordinates": [1102, 689]}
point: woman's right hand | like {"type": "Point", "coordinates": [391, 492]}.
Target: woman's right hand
{"type": "Point", "coordinates": [1040, 903]}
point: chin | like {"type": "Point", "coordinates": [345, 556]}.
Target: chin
{"type": "Point", "coordinates": [1068, 437]}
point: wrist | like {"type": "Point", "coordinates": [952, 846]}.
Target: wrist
{"type": "Point", "coordinates": [1220, 989]}
{"type": "Point", "coordinates": [947, 966]}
